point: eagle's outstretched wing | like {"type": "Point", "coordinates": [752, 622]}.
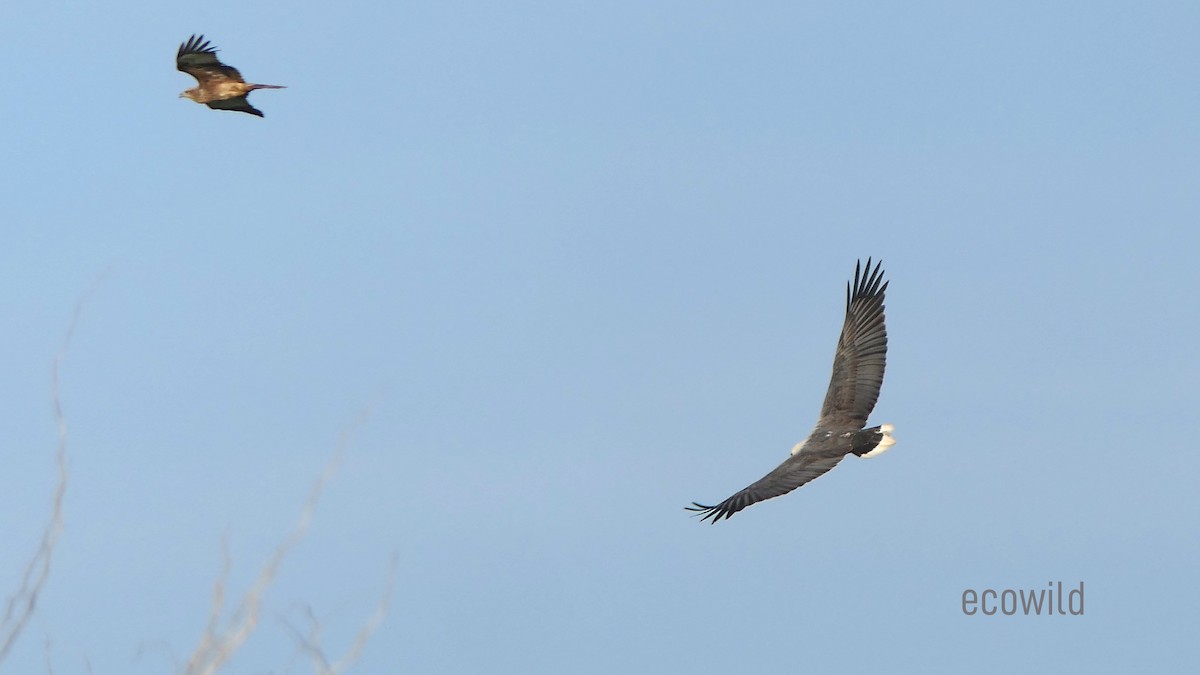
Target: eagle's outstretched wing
{"type": "Point", "coordinates": [861, 354]}
{"type": "Point", "coordinates": [794, 472]}
{"type": "Point", "coordinates": [198, 58]}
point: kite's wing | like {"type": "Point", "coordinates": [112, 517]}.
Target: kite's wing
{"type": "Point", "coordinates": [198, 58]}
{"type": "Point", "coordinates": [239, 104]}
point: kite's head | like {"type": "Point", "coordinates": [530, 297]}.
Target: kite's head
{"type": "Point", "coordinates": [188, 93]}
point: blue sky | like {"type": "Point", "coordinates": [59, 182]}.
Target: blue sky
{"type": "Point", "coordinates": [587, 261]}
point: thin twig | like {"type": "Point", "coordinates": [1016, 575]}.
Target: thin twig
{"type": "Point", "coordinates": [22, 603]}
{"type": "Point", "coordinates": [219, 643]}
{"type": "Point", "coordinates": [311, 643]}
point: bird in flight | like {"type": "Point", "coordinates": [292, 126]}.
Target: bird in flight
{"type": "Point", "coordinates": [857, 376]}
{"type": "Point", "coordinates": [220, 87]}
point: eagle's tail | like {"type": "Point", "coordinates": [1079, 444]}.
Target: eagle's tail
{"type": "Point", "coordinates": [265, 86]}
{"type": "Point", "coordinates": [872, 442]}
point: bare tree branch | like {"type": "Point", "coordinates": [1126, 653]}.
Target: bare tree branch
{"type": "Point", "coordinates": [311, 643]}
{"type": "Point", "coordinates": [376, 618]}
{"type": "Point", "coordinates": [46, 648]}
{"type": "Point", "coordinates": [23, 602]}
{"type": "Point", "coordinates": [220, 642]}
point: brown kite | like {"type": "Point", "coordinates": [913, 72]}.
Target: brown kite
{"type": "Point", "coordinates": [221, 87]}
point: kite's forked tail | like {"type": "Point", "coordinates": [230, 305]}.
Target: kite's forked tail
{"type": "Point", "coordinates": [265, 86]}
